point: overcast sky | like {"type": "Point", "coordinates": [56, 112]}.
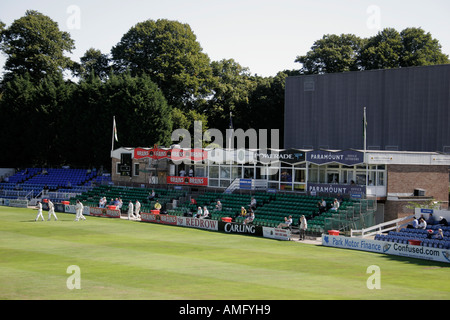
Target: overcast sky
{"type": "Point", "coordinates": [265, 36]}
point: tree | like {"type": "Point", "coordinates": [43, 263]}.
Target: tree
{"type": "Point", "coordinates": [31, 133]}
{"type": "Point", "coordinates": [34, 44]}
{"type": "Point", "coordinates": [331, 54]}
{"type": "Point", "coordinates": [265, 109]}
{"type": "Point", "coordinates": [230, 91]}
{"type": "Point", "coordinates": [387, 49]}
{"type": "Point", "coordinates": [142, 114]}
{"type": "Point", "coordinates": [93, 62]}
{"type": "Point", "coordinates": [421, 49]}
{"type": "Point", "coordinates": [382, 51]}
{"type": "Point", "coordinates": [170, 54]}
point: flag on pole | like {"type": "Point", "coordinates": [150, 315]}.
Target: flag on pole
{"type": "Point", "coordinates": [115, 129]}
{"type": "Point", "coordinates": [114, 134]}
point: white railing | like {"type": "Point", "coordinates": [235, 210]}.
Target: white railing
{"type": "Point", "coordinates": [233, 186]}
{"type": "Point", "coordinates": [257, 184]}
{"type": "Point", "coordinates": [60, 195]}
{"type": "Point", "coordinates": [383, 227]}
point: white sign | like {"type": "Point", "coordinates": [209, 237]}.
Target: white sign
{"type": "Point", "coordinates": [206, 224]}
{"type": "Point", "coordinates": [18, 203]}
{"type": "Point", "coordinates": [398, 249]}
{"type": "Point", "coordinates": [276, 233]}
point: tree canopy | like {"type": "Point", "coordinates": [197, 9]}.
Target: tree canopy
{"type": "Point", "coordinates": [385, 50]}
{"type": "Point", "coordinates": [168, 51]}
{"type": "Point", "coordinates": [34, 44]}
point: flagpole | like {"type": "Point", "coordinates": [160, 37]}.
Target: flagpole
{"type": "Point", "coordinates": [365, 148]}
{"type": "Point", "coordinates": [114, 126]}
{"type": "Point", "coordinates": [365, 133]}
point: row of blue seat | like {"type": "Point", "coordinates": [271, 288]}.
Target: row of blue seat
{"type": "Point", "coordinates": [433, 243]}
{"type": "Point", "coordinates": [31, 178]}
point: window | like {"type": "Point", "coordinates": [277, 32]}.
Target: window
{"type": "Point", "coordinates": [200, 171]}
{"type": "Point", "coordinates": [213, 182]}
{"type": "Point", "coordinates": [249, 172]}
{"type": "Point", "coordinates": [236, 172]}
{"type": "Point", "coordinates": [214, 172]}
{"type": "Point", "coordinates": [224, 172]}
{"type": "Point", "coordinates": [299, 175]}
{"type": "Point", "coordinates": [286, 175]}
{"type": "Point", "coordinates": [136, 169]}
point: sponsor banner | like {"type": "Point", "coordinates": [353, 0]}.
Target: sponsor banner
{"type": "Point", "coordinates": [59, 207]}
{"type": "Point", "coordinates": [288, 156]}
{"type": "Point", "coordinates": [276, 233]}
{"type": "Point", "coordinates": [175, 154]}
{"type": "Point", "coordinates": [392, 248]}
{"type": "Point", "coordinates": [206, 224]}
{"type": "Point", "coordinates": [193, 154]}
{"type": "Point", "coordinates": [346, 157]}
{"type": "Point", "coordinates": [190, 181]}
{"type": "Point", "coordinates": [231, 227]}
{"type": "Point", "coordinates": [348, 189]}
{"type": "Point", "coordinates": [70, 208]}
{"type": "Point", "coordinates": [159, 218]}
{"type": "Point", "coordinates": [104, 212]}
{"type": "Point", "coordinates": [245, 184]}
{"type": "Point", "coordinates": [18, 203]}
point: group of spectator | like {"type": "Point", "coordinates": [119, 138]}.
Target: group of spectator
{"type": "Point", "coordinates": [133, 208]}
{"type": "Point", "coordinates": [422, 223]}
{"type": "Point", "coordinates": [323, 206]}
{"type": "Point", "coordinates": [102, 203]}
{"type": "Point", "coordinates": [249, 215]}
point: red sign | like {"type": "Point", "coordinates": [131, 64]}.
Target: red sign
{"type": "Point", "coordinates": [104, 212]}
{"type": "Point", "coordinates": [158, 218]}
{"type": "Point", "coordinates": [191, 181]}
{"type": "Point", "coordinates": [173, 154]}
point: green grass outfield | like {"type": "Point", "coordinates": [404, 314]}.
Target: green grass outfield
{"type": "Point", "coordinates": [121, 259]}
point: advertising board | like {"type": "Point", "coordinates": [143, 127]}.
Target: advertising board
{"type": "Point", "coordinates": [392, 248]}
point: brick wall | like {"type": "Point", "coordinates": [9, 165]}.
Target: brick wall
{"type": "Point", "coordinates": [433, 179]}
{"type": "Point", "coordinates": [406, 178]}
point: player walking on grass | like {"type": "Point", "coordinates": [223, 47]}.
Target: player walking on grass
{"type": "Point", "coordinates": [130, 211]}
{"type": "Point", "coordinates": [79, 211]}
{"type": "Point", "coordinates": [137, 209]}
{"type": "Point", "coordinates": [51, 210]}
{"type": "Point", "coordinates": [39, 207]}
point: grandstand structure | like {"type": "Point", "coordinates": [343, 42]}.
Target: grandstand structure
{"type": "Point", "coordinates": [270, 212]}
{"type": "Point", "coordinates": [68, 185]}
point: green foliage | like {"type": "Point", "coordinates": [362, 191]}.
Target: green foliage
{"type": "Point", "coordinates": [34, 44]}
{"type": "Point", "coordinates": [32, 113]}
{"type": "Point", "coordinates": [421, 49]}
{"type": "Point", "coordinates": [93, 62]}
{"type": "Point", "coordinates": [332, 54]}
{"type": "Point", "coordinates": [58, 122]}
{"type": "Point", "coordinates": [387, 49]}
{"type": "Point", "coordinates": [168, 51]}
{"type": "Point", "coordinates": [231, 90]}
{"type": "Point", "coordinates": [142, 116]}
